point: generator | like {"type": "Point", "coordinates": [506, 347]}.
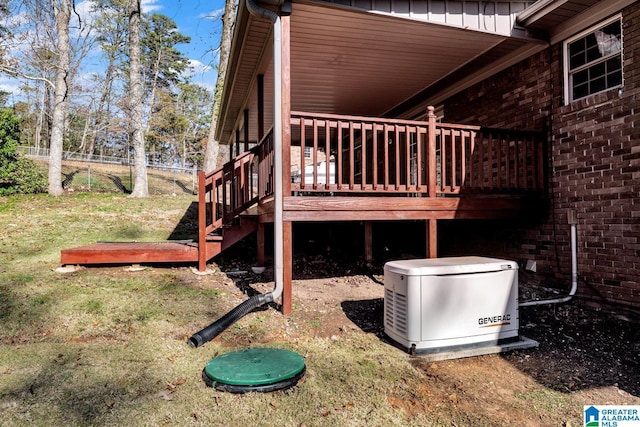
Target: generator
{"type": "Point", "coordinates": [444, 304]}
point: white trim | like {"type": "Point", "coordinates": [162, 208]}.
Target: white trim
{"type": "Point", "coordinates": [538, 10]}
{"type": "Point", "coordinates": [568, 98]}
{"type": "Point", "coordinates": [590, 17]}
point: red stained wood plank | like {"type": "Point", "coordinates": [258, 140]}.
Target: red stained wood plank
{"type": "Point", "coordinates": [130, 253]}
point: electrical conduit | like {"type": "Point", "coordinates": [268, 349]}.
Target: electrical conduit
{"type": "Point", "coordinates": [213, 330]}
{"type": "Point", "coordinates": [574, 269]}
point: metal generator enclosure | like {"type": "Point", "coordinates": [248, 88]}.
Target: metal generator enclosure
{"type": "Point", "coordinates": [433, 305]}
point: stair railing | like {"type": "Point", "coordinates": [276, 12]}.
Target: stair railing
{"type": "Point", "coordinates": [234, 187]}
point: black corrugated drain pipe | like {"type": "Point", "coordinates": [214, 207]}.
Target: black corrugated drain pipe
{"type": "Point", "coordinates": [216, 328]}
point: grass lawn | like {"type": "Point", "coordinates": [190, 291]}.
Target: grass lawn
{"type": "Point", "coordinates": [107, 347]}
{"type": "Point", "coordinates": [103, 346]}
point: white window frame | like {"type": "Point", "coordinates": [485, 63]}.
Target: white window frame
{"type": "Point", "coordinates": [568, 92]}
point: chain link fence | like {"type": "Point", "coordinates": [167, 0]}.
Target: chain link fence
{"type": "Point", "coordinates": [84, 172]}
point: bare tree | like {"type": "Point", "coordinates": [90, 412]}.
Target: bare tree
{"type": "Point", "coordinates": [136, 135]}
{"type": "Point", "coordinates": [213, 146]}
{"type": "Point", "coordinates": [62, 12]}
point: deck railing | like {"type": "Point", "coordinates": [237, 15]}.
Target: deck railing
{"type": "Point", "coordinates": [234, 187]}
{"type": "Point", "coordinates": [373, 155]}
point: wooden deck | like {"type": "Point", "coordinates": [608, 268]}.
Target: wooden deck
{"type": "Point", "coordinates": [374, 170]}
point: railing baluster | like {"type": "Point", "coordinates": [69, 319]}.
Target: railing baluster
{"type": "Point", "coordinates": [472, 146]}
{"type": "Point", "coordinates": [327, 153]}
{"type": "Point", "coordinates": [454, 162]}
{"type": "Point", "coordinates": [339, 164]}
{"type": "Point", "coordinates": [386, 155]}
{"type": "Point", "coordinates": [444, 161]}
{"type": "Point", "coordinates": [374, 155]}
{"type": "Point", "coordinates": [352, 163]}
{"type": "Point", "coordinates": [315, 153]}
{"type": "Point", "coordinates": [463, 157]}
{"type": "Point", "coordinates": [396, 142]}
{"type": "Point", "coordinates": [303, 140]}
{"type": "Point", "coordinates": [407, 143]}
{"type": "Point", "coordinates": [363, 155]}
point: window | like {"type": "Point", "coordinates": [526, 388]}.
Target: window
{"type": "Point", "coordinates": [593, 60]}
{"type": "Point", "coordinates": [307, 152]}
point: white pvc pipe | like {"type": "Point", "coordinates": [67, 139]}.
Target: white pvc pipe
{"type": "Point", "coordinates": [574, 275]}
{"type": "Point", "coordinates": [277, 143]}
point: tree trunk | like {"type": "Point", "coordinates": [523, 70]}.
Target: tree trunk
{"type": "Point", "coordinates": [106, 88]}
{"type": "Point", "coordinates": [213, 146]}
{"type": "Point", "coordinates": [140, 185]}
{"type": "Point", "coordinates": [61, 104]}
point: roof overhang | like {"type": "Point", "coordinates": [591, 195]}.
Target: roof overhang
{"type": "Point", "coordinates": [350, 61]}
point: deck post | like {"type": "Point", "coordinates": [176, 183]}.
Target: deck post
{"type": "Point", "coordinates": [285, 153]}
{"type": "Point", "coordinates": [287, 267]}
{"type": "Point", "coordinates": [432, 238]}
{"type": "Point", "coordinates": [202, 221]}
{"type": "Point", "coordinates": [431, 152]}
{"type": "Point", "coordinates": [368, 241]}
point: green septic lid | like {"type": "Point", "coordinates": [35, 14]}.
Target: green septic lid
{"type": "Point", "coordinates": [255, 367]}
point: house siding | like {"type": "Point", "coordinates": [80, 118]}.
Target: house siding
{"type": "Point", "coordinates": [594, 170]}
{"type": "Point", "coordinates": [496, 16]}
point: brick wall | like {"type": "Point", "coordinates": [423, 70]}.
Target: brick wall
{"type": "Point", "coordinates": [594, 170]}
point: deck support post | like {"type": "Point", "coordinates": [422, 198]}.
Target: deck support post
{"type": "Point", "coordinates": [285, 155]}
{"type": "Point", "coordinates": [368, 241]}
{"type": "Point", "coordinates": [202, 222]}
{"type": "Point", "coordinates": [287, 267]}
{"type": "Point", "coordinates": [432, 238]}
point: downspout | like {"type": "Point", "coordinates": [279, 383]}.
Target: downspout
{"type": "Point", "coordinates": [213, 330]}
{"type": "Point", "coordinates": [255, 10]}
{"type": "Point", "coordinates": [573, 220]}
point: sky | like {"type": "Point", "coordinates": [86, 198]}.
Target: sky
{"type": "Point", "coordinates": [199, 19]}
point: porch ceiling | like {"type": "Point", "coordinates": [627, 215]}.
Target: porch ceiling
{"type": "Point", "coordinates": [351, 62]}
{"type": "Point", "coordinates": [348, 61]}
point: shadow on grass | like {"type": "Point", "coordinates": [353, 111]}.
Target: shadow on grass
{"type": "Point", "coordinates": [117, 181]}
{"type": "Point", "coordinates": [6, 302]}
{"type": "Point", "coordinates": [366, 315]}
{"type": "Point", "coordinates": [82, 392]}
{"type": "Point", "coordinates": [187, 228]}
{"type": "Point", "coordinates": [68, 178]}
{"type": "Point", "coordinates": [181, 185]}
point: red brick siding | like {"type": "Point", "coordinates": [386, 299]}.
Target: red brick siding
{"type": "Point", "coordinates": [594, 169]}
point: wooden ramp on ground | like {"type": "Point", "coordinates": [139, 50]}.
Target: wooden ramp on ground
{"type": "Point", "coordinates": [131, 253]}
{"type": "Point", "coordinates": [170, 251]}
